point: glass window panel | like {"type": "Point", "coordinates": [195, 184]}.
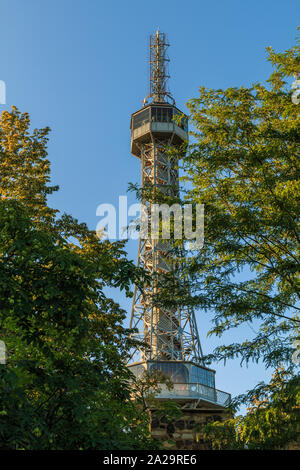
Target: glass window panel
{"type": "Point", "coordinates": [160, 114]}
{"type": "Point", "coordinates": [202, 376]}
{"type": "Point", "coordinates": [141, 118]}
{"type": "Point", "coordinates": [178, 373]}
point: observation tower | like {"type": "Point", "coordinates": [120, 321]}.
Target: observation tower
{"type": "Point", "coordinates": [170, 337]}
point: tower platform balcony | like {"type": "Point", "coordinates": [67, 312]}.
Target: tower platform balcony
{"type": "Point", "coordinates": [158, 121]}
{"type": "Point", "coordinates": [195, 391]}
{"type": "Point", "coordinates": [191, 383]}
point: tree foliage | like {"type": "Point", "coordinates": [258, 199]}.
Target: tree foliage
{"type": "Point", "coordinates": [272, 420]}
{"type": "Point", "coordinates": [243, 165]}
{"type": "Point", "coordinates": [65, 384]}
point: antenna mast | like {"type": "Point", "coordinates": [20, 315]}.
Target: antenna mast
{"type": "Point", "coordinates": [159, 68]}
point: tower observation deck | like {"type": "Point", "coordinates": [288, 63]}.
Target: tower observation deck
{"type": "Point", "coordinates": [169, 335]}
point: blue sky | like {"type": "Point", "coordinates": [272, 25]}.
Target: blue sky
{"type": "Point", "coordinates": [80, 66]}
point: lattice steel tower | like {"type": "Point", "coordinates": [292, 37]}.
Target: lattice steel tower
{"type": "Point", "coordinates": [170, 335]}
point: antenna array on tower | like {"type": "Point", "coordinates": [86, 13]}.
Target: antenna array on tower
{"type": "Point", "coordinates": [159, 68]}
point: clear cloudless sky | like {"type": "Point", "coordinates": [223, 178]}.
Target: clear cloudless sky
{"type": "Point", "coordinates": [81, 67]}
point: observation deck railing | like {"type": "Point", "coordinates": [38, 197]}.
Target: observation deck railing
{"type": "Point", "coordinates": [195, 391]}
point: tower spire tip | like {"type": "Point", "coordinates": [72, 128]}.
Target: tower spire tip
{"type": "Point", "coordinates": [158, 68]}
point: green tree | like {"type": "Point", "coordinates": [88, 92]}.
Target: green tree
{"type": "Point", "coordinates": [25, 169]}
{"type": "Point", "coordinates": [243, 165]}
{"type": "Point", "coordinates": [272, 420]}
{"type": "Point", "coordinates": [65, 384]}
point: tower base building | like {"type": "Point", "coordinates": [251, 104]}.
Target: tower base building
{"type": "Point", "coordinates": [200, 402]}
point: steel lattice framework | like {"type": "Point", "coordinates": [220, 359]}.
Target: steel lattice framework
{"type": "Point", "coordinates": [158, 67]}
{"type": "Point", "coordinates": [169, 334]}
